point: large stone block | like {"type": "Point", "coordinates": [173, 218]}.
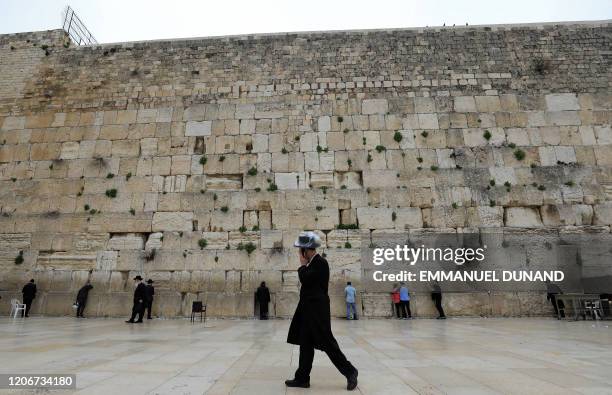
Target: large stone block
{"type": "Point", "coordinates": [562, 102]}
{"type": "Point", "coordinates": [172, 221]}
{"type": "Point", "coordinates": [524, 217]}
{"type": "Point", "coordinates": [375, 218]}
{"type": "Point", "coordinates": [374, 106]}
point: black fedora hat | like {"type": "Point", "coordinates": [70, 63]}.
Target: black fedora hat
{"type": "Point", "coordinates": [149, 281]}
{"type": "Point", "coordinates": [138, 278]}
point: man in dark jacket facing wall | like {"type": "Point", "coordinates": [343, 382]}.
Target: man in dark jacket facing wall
{"type": "Point", "coordinates": [150, 295]}
{"type": "Point", "coordinates": [81, 298]}
{"type": "Point", "coordinates": [29, 293]}
{"type": "Point", "coordinates": [311, 325]}
{"type": "Point", "coordinates": [263, 298]}
{"type": "Point", "coordinates": [140, 296]}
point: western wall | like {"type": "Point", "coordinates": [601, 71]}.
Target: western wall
{"type": "Point", "coordinates": [196, 162]}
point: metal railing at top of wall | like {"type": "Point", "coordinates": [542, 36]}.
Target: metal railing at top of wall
{"type": "Point", "coordinates": [76, 29]}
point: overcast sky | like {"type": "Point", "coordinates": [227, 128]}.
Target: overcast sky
{"type": "Point", "coordinates": [131, 20]}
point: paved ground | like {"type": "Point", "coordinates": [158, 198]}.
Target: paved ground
{"type": "Point", "coordinates": [456, 356]}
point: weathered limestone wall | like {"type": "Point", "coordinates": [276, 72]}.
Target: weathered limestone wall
{"type": "Point", "coordinates": [121, 159]}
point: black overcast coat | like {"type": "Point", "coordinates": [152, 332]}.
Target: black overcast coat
{"type": "Point", "coordinates": [150, 292]}
{"type": "Point", "coordinates": [140, 293]}
{"type": "Point", "coordinates": [84, 292]}
{"type": "Point", "coordinates": [29, 291]}
{"type": "Point", "coordinates": [311, 324]}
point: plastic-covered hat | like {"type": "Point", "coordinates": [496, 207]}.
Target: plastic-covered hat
{"type": "Point", "coordinates": [308, 240]}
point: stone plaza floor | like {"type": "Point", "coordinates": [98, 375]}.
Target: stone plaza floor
{"type": "Point", "coordinates": [423, 356]}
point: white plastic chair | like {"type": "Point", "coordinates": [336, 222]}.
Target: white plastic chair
{"type": "Point", "coordinates": [17, 306]}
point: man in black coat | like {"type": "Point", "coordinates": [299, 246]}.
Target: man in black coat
{"type": "Point", "coordinates": [140, 296]}
{"type": "Point", "coordinates": [263, 298]}
{"type": "Point", "coordinates": [436, 296]}
{"type": "Point", "coordinates": [311, 324]}
{"type": "Point", "coordinates": [81, 298]}
{"type": "Point", "coordinates": [29, 293]}
{"type": "Point", "coordinates": [149, 301]}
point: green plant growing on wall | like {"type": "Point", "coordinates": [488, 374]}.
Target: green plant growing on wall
{"type": "Point", "coordinates": [419, 159]}
{"type": "Point", "coordinates": [111, 193]}
{"type": "Point", "coordinates": [347, 245]}
{"type": "Point", "coordinates": [512, 145]}
{"type": "Point", "coordinates": [340, 119]}
{"type": "Point", "coordinates": [424, 133]}
{"type": "Point", "coordinates": [397, 136]}
{"type": "Point", "coordinates": [455, 205]}
{"type": "Point", "coordinates": [393, 216]}
{"type": "Point", "coordinates": [110, 175]}
{"type": "Point", "coordinates": [434, 168]}
{"type": "Point", "coordinates": [242, 229]}
{"type": "Point", "coordinates": [248, 247]}
{"type": "Point", "coordinates": [284, 150]}
{"type": "Point", "coordinates": [519, 154]}
{"type": "Point", "coordinates": [369, 158]}
{"type": "Point", "coordinates": [132, 211]}
{"type": "Point", "coordinates": [487, 135]}
{"type": "Point", "coordinates": [255, 228]}
{"type": "Point", "coordinates": [380, 148]}
{"type": "Point", "coordinates": [221, 158]}
{"type": "Point", "coordinates": [128, 176]}
{"type": "Point", "coordinates": [19, 258]}
{"type": "Point", "coordinates": [347, 226]}
{"type": "Point", "coordinates": [492, 182]}
{"type": "Point", "coordinates": [202, 243]}
{"type": "Point", "coordinates": [224, 209]}
{"type": "Point", "coordinates": [252, 171]}
{"type": "Point", "coordinates": [203, 160]}
{"type": "Point", "coordinates": [569, 183]}
{"type": "Point", "coordinates": [272, 187]}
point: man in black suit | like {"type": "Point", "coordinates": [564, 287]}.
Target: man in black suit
{"type": "Point", "coordinates": [149, 301]}
{"type": "Point", "coordinates": [81, 298]}
{"type": "Point", "coordinates": [29, 293]}
{"type": "Point", "coordinates": [311, 324]}
{"type": "Point", "coordinates": [140, 296]}
{"type": "Point", "coordinates": [263, 298]}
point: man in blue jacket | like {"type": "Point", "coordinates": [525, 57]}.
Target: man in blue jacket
{"type": "Point", "coordinates": [311, 324]}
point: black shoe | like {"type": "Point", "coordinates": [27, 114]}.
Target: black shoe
{"type": "Point", "coordinates": [138, 322]}
{"type": "Point", "coordinates": [129, 321]}
{"type": "Point", "coordinates": [296, 383]}
{"type": "Point", "coordinates": [149, 318]}
{"type": "Point", "coordinates": [351, 381]}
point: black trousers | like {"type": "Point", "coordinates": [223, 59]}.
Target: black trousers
{"type": "Point", "coordinates": [438, 303]}
{"type": "Point", "coordinates": [148, 306]}
{"type": "Point", "coordinates": [397, 309]}
{"type": "Point", "coordinates": [335, 355]}
{"type": "Point", "coordinates": [405, 308]}
{"type": "Point", "coordinates": [263, 311]}
{"type": "Point", "coordinates": [28, 304]}
{"type": "Point", "coordinates": [137, 309]}
{"type": "Point", "coordinates": [81, 308]}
